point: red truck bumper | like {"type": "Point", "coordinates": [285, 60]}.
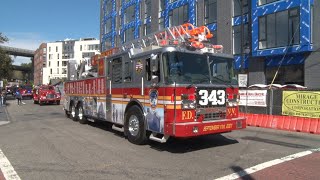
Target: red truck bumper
{"type": "Point", "coordinates": [191, 129]}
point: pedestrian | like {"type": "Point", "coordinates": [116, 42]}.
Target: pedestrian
{"type": "Point", "coordinates": [19, 96]}
{"type": "Point", "coordinates": [1, 99]}
{"type": "Point", "coordinates": [4, 97]}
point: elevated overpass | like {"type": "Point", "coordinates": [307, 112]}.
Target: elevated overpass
{"type": "Point", "coordinates": [18, 71]}
{"type": "Point", "coordinates": [18, 51]}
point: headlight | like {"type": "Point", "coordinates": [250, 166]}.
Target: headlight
{"type": "Point", "coordinates": [188, 104]}
{"type": "Point", "coordinates": [233, 103]}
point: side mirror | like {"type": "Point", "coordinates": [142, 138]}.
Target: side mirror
{"type": "Point", "coordinates": [154, 63]}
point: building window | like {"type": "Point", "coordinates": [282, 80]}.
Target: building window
{"type": "Point", "coordinates": [64, 63]}
{"type": "Point", "coordinates": [80, 47]}
{"type": "Point", "coordinates": [294, 26]}
{"type": "Point", "coordinates": [50, 71]}
{"type": "Point", "coordinates": [58, 63]}
{"type": "Point", "coordinates": [237, 38]}
{"type": "Point", "coordinates": [312, 20]}
{"type": "Point", "coordinates": [147, 8]}
{"type": "Point", "coordinates": [179, 16]}
{"type": "Point", "coordinates": [129, 14]}
{"type": "Point", "coordinates": [49, 63]}
{"type": "Point", "coordinates": [108, 26]}
{"type": "Point", "coordinates": [49, 49]}
{"type": "Point", "coordinates": [108, 7]}
{"type": "Point", "coordinates": [263, 2]}
{"type": "Point", "coordinates": [56, 48]}
{"type": "Point", "coordinates": [147, 29]}
{"type": "Point", "coordinates": [128, 34]}
{"type": "Point", "coordinates": [237, 7]}
{"type": "Point", "coordinates": [279, 29]}
{"type": "Point", "coordinates": [57, 70]}
{"type": "Point", "coordinates": [210, 11]}
{"type": "Point", "coordinates": [64, 70]}
{"type": "Point", "coordinates": [58, 56]}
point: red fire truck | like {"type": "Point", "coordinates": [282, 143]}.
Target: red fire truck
{"type": "Point", "coordinates": [46, 94]}
{"type": "Point", "coordinates": [171, 83]}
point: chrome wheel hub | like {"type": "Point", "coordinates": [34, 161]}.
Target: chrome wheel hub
{"type": "Point", "coordinates": [73, 111]}
{"type": "Point", "coordinates": [80, 113]}
{"type": "Point", "coordinates": [133, 125]}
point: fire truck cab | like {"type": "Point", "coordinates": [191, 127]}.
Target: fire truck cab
{"type": "Point", "coordinates": [46, 94]}
{"type": "Point", "coordinates": [174, 88]}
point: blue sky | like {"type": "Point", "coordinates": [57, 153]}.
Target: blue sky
{"type": "Point", "coordinates": [28, 23]}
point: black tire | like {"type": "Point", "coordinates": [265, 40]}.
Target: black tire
{"type": "Point", "coordinates": [34, 102]}
{"type": "Point", "coordinates": [139, 136]}
{"type": "Point", "coordinates": [81, 118]}
{"type": "Point", "coordinates": [67, 113]}
{"type": "Point", "coordinates": [58, 102]}
{"type": "Point", "coordinates": [41, 103]}
{"type": "Point", "coordinates": [74, 113]}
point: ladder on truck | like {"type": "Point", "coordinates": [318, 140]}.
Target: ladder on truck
{"type": "Point", "coordinates": [185, 35]}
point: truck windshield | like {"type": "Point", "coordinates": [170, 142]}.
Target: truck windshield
{"type": "Point", "coordinates": [188, 68]}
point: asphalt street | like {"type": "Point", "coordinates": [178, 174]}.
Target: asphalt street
{"type": "Point", "coordinates": [41, 143]}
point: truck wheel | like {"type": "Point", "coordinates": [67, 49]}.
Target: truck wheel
{"type": "Point", "coordinates": [58, 102]}
{"type": "Point", "coordinates": [34, 102]}
{"type": "Point", "coordinates": [67, 113]}
{"type": "Point", "coordinates": [74, 113]}
{"type": "Point", "coordinates": [82, 119]}
{"type": "Point", "coordinates": [41, 103]}
{"type": "Point", "coordinates": [135, 127]}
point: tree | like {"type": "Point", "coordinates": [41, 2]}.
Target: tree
{"type": "Point", "coordinates": [5, 60]}
{"type": "Point", "coordinates": [27, 65]}
{"type": "Point", "coordinates": [3, 38]}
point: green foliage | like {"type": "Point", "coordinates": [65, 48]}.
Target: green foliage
{"type": "Point", "coordinates": [27, 65]}
{"type": "Point", "coordinates": [5, 65]}
{"type": "Point", "coordinates": [3, 38]}
{"type": "Point", "coordinates": [5, 61]}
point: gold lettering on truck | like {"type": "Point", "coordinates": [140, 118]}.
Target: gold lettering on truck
{"type": "Point", "coordinates": [187, 115]}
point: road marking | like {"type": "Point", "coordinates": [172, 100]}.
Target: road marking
{"type": "Point", "coordinates": [266, 165]}
{"type": "Point", "coordinates": [7, 170]}
{"type": "Point", "coordinates": [4, 122]}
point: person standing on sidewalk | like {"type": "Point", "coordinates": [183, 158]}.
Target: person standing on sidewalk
{"type": "Point", "coordinates": [1, 99]}
{"type": "Point", "coordinates": [19, 96]}
{"type": "Point", "coordinates": [4, 97]}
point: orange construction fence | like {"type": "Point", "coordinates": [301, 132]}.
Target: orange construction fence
{"type": "Point", "coordinates": [289, 123]}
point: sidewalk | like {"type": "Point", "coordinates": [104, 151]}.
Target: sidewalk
{"type": "Point", "coordinates": [3, 116]}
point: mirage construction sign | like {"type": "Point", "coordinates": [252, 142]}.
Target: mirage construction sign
{"type": "Point", "coordinates": [301, 103]}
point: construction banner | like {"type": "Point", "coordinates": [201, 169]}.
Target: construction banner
{"type": "Point", "coordinates": [301, 103]}
{"type": "Point", "coordinates": [256, 98]}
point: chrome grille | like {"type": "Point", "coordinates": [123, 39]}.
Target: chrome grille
{"type": "Point", "coordinates": [50, 96]}
{"type": "Point", "coordinates": [210, 112]}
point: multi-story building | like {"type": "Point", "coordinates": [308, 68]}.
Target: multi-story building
{"type": "Point", "coordinates": [265, 36]}
{"type": "Point", "coordinates": [59, 53]}
{"type": "Point", "coordinates": [39, 62]}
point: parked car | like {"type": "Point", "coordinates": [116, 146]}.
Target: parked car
{"type": "Point", "coordinates": [46, 94]}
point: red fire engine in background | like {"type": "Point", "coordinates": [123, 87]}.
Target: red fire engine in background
{"type": "Point", "coordinates": [46, 94]}
{"type": "Point", "coordinates": [171, 83]}
{"type": "Point", "coordinates": [25, 91]}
